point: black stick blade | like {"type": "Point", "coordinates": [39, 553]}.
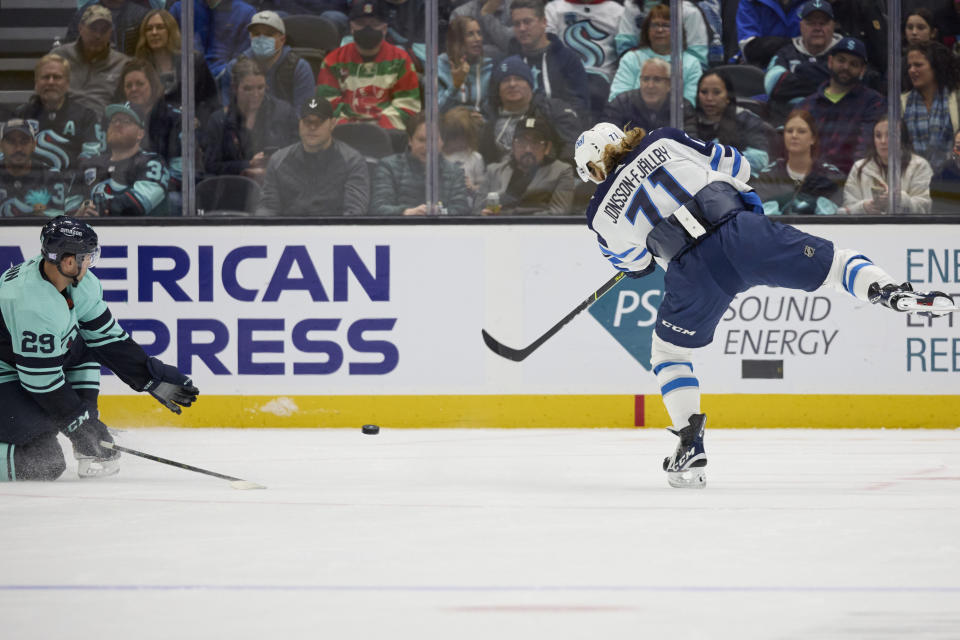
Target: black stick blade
{"type": "Point", "coordinates": [503, 350]}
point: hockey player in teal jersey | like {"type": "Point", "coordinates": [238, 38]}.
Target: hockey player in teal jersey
{"type": "Point", "coordinates": [55, 334]}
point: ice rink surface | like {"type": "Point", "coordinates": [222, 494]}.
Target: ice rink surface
{"type": "Point", "coordinates": [500, 534]}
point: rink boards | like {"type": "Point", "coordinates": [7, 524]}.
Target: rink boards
{"type": "Point", "coordinates": [337, 326]}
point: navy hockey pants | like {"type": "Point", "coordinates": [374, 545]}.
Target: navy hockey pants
{"type": "Point", "coordinates": [747, 250]}
{"type": "Point", "coordinates": [28, 433]}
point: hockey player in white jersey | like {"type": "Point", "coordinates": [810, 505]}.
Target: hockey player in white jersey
{"type": "Point", "coordinates": [672, 200]}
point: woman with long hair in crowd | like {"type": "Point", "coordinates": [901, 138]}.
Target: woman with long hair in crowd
{"type": "Point", "coordinates": [718, 118]}
{"type": "Point", "coordinates": [654, 42]}
{"type": "Point", "coordinates": [463, 72]}
{"type": "Point", "coordinates": [930, 107]}
{"type": "Point", "coordinates": [867, 185]}
{"type": "Point", "coordinates": [159, 44]}
{"type": "Point", "coordinates": [918, 26]}
{"type": "Point", "coordinates": [799, 182]}
{"type": "Point", "coordinates": [140, 85]}
{"type": "Point", "coordinates": [241, 139]}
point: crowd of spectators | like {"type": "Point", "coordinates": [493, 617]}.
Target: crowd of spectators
{"type": "Point", "coordinates": [518, 80]}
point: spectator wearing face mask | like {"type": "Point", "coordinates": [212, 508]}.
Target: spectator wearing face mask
{"type": "Point", "coordinates": [289, 77]}
{"type": "Point", "coordinates": [369, 79]}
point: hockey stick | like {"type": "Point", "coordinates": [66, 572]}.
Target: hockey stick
{"type": "Point", "coordinates": [236, 483]}
{"type": "Point", "coordinates": [519, 354]}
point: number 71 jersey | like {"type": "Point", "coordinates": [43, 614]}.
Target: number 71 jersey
{"type": "Point", "coordinates": [664, 171]}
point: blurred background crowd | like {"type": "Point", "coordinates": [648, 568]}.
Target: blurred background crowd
{"type": "Point", "coordinates": [316, 107]}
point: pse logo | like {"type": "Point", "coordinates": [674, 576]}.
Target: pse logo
{"type": "Point", "coordinates": [629, 313]}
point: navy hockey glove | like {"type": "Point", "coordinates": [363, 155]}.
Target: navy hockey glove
{"type": "Point", "coordinates": [650, 268]}
{"type": "Point", "coordinates": [170, 387]}
{"type": "Point", "coordinates": [93, 460]}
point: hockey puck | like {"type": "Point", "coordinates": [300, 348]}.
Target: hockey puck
{"type": "Point", "coordinates": [371, 429]}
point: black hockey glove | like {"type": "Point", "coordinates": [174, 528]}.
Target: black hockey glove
{"type": "Point", "coordinates": [170, 387]}
{"type": "Point", "coordinates": [650, 268]}
{"type": "Point", "coordinates": [86, 432]}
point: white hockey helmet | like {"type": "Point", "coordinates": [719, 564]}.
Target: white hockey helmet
{"type": "Point", "coordinates": [590, 146]}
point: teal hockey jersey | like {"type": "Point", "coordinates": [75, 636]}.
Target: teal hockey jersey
{"type": "Point", "coordinates": [39, 325]}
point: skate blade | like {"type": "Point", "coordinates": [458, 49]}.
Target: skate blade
{"type": "Point", "coordinates": [695, 478]}
{"type": "Point", "coordinates": [938, 308]}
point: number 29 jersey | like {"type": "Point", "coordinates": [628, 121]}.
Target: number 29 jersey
{"type": "Point", "coordinates": [38, 325]}
{"type": "Point", "coordinates": [664, 171]}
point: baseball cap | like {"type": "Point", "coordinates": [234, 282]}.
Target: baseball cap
{"type": "Point", "coordinates": [852, 46]}
{"type": "Point", "coordinates": [268, 18]}
{"type": "Point", "coordinates": [16, 124]}
{"type": "Point", "coordinates": [95, 12]}
{"type": "Point", "coordinates": [367, 9]}
{"type": "Point", "coordinates": [316, 107]}
{"type": "Point", "coordinates": [534, 123]}
{"type": "Point", "coordinates": [127, 109]}
{"type": "Point", "coordinates": [816, 5]}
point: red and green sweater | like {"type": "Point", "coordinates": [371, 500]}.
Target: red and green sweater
{"type": "Point", "coordinates": [384, 91]}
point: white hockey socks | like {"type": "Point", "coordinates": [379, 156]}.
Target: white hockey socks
{"type": "Point", "coordinates": [853, 273]}
{"type": "Point", "coordinates": [679, 386]}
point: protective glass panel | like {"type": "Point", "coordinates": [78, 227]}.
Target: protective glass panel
{"type": "Point", "coordinates": [930, 80]}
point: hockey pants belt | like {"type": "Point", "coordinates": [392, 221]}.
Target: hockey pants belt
{"type": "Point", "coordinates": [696, 219]}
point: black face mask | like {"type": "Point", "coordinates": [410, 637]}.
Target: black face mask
{"type": "Point", "coordinates": [368, 38]}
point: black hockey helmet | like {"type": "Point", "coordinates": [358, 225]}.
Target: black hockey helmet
{"type": "Point", "coordinates": [65, 236]}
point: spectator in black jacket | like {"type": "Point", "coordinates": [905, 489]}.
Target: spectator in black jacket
{"type": "Point", "coordinates": [511, 97]}
{"type": "Point", "coordinates": [649, 106]}
{"type": "Point", "coordinates": [718, 118]}
{"type": "Point", "coordinates": [318, 176]}
{"type": "Point", "coordinates": [558, 72]}
{"type": "Point", "coordinates": [400, 184]}
{"type": "Point", "coordinates": [798, 68]}
{"type": "Point", "coordinates": [800, 183]}
{"type": "Point", "coordinates": [241, 139]}
{"type": "Point", "coordinates": [67, 130]}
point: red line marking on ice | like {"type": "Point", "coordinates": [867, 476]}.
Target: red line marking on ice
{"type": "Point", "coordinates": [877, 486]}
{"type": "Point", "coordinates": [638, 416]}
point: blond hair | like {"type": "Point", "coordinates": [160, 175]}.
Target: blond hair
{"type": "Point", "coordinates": [52, 57]}
{"type": "Point", "coordinates": [614, 153]}
{"type": "Point", "coordinates": [173, 34]}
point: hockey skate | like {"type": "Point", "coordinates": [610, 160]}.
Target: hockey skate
{"type": "Point", "coordinates": [903, 298]}
{"type": "Point", "coordinates": [685, 468]}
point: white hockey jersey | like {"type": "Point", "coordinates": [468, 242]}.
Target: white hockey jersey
{"type": "Point", "coordinates": [661, 174]}
{"type": "Point", "coordinates": [589, 28]}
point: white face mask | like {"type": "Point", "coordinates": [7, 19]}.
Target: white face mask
{"type": "Point", "coordinates": [263, 46]}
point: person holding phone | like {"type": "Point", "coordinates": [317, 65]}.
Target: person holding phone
{"type": "Point", "coordinates": [236, 141]}
{"type": "Point", "coordinates": [867, 188]}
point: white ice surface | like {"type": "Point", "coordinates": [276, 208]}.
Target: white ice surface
{"type": "Point", "coordinates": [465, 535]}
